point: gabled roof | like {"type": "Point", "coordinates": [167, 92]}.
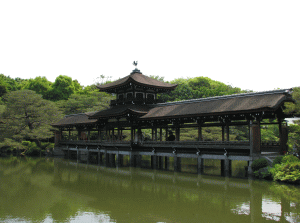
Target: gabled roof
{"type": "Point", "coordinates": [121, 110]}
{"type": "Point", "coordinates": [269, 101]}
{"type": "Point", "coordinates": [138, 79]}
{"type": "Point", "coordinates": [223, 105]}
{"type": "Point", "coordinates": [75, 119]}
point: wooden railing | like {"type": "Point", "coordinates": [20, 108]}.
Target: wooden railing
{"type": "Point", "coordinates": [165, 144]}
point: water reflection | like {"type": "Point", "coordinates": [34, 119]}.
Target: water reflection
{"type": "Point", "coordinates": [39, 190]}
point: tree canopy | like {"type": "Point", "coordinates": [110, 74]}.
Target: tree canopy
{"type": "Point", "coordinates": [27, 116]}
{"type": "Point", "coordinates": [198, 87]}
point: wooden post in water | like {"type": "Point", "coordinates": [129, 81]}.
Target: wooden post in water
{"type": "Point", "coordinates": [177, 163]}
{"type": "Point", "coordinates": [99, 157]}
{"type": "Point", "coordinates": [166, 162]}
{"type": "Point", "coordinates": [200, 162]}
{"type": "Point", "coordinates": [154, 162]}
{"type": "Point", "coordinates": [132, 159]}
{"type": "Point", "coordinates": [78, 155]}
{"type": "Point", "coordinates": [226, 167]}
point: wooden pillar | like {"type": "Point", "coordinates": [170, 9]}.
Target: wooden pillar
{"type": "Point", "coordinates": [99, 157]}
{"type": "Point", "coordinates": [112, 158]}
{"type": "Point", "coordinates": [226, 167]}
{"type": "Point", "coordinates": [200, 137]}
{"type": "Point", "coordinates": [79, 134]}
{"type": "Point", "coordinates": [132, 134]}
{"type": "Point", "coordinates": [177, 163]}
{"type": "Point", "coordinates": [154, 162]}
{"type": "Point", "coordinates": [255, 138]}
{"type": "Point", "coordinates": [132, 160]}
{"type": "Point", "coordinates": [283, 136]}
{"type": "Point", "coordinates": [78, 155]}
{"type": "Point", "coordinates": [200, 162]}
{"type": "Point", "coordinates": [88, 157]}
{"type": "Point", "coordinates": [138, 160]}
{"type": "Point", "coordinates": [227, 131]}
{"type": "Point", "coordinates": [166, 162]}
{"type": "Point", "coordinates": [167, 134]}
{"type": "Point", "coordinates": [152, 134]}
{"type": "Point", "coordinates": [89, 134]}
{"type": "Point", "coordinates": [160, 162]}
{"type": "Point", "coordinates": [177, 134]}
{"type": "Point", "coordinates": [160, 134]}
{"type": "Point", "coordinates": [113, 135]}
{"type": "Point", "coordinates": [106, 158]}
{"type": "Point", "coordinates": [69, 135]}
{"type": "Point", "coordinates": [119, 134]}
{"type": "Point", "coordinates": [155, 134]}
{"type": "Point", "coordinates": [223, 133]}
{"type": "Point", "coordinates": [107, 134]}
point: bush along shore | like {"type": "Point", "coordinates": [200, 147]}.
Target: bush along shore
{"type": "Point", "coordinates": [284, 169]}
{"type": "Point", "coordinates": [29, 148]}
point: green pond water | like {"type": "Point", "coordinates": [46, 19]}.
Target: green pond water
{"type": "Point", "coordinates": [58, 190]}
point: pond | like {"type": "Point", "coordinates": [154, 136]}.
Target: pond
{"type": "Point", "coordinates": [59, 190]}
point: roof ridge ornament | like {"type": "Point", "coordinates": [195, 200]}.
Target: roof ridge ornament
{"type": "Point", "coordinates": [135, 63]}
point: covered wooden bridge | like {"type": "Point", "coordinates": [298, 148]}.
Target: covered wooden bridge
{"type": "Point", "coordinates": [112, 133]}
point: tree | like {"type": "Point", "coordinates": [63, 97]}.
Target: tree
{"type": "Point", "coordinates": [102, 80]}
{"type": "Point", "coordinates": [294, 107]}
{"type": "Point", "coordinates": [61, 89]}
{"type": "Point", "coordinates": [85, 103]}
{"type": "Point", "coordinates": [27, 116]}
{"type": "Point", "coordinates": [294, 129]}
{"type": "Point", "coordinates": [39, 84]}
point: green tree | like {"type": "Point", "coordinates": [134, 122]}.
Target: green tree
{"type": "Point", "coordinates": [61, 89]}
{"type": "Point", "coordinates": [294, 107]}
{"type": "Point", "coordinates": [84, 103]}
{"type": "Point", "coordinates": [294, 129]}
{"type": "Point", "coordinates": [198, 87]}
{"type": "Point", "coordinates": [39, 84]}
{"type": "Point", "coordinates": [27, 116]}
{"type": "Point", "coordinates": [3, 87]}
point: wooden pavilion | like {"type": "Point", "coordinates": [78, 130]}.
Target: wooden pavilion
{"type": "Point", "coordinates": [137, 108]}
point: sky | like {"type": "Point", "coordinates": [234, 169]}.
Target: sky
{"type": "Point", "coordinates": [253, 45]}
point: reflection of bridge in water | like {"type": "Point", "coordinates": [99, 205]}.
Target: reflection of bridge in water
{"type": "Point", "coordinates": [167, 196]}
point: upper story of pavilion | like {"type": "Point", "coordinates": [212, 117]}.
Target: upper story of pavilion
{"type": "Point", "coordinates": [136, 88]}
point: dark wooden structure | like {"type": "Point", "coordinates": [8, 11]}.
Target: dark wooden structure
{"type": "Point", "coordinates": [137, 108]}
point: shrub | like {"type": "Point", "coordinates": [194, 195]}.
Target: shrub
{"type": "Point", "coordinates": [259, 163]}
{"type": "Point", "coordinates": [290, 159]}
{"type": "Point", "coordinates": [277, 160]}
{"type": "Point", "coordinates": [288, 170]}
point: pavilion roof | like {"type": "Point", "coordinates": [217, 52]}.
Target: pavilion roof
{"type": "Point", "coordinates": [121, 110]}
{"type": "Point", "coordinates": [222, 105]}
{"type": "Point", "coordinates": [247, 103]}
{"type": "Point", "coordinates": [75, 119]}
{"type": "Point", "coordinates": [139, 79]}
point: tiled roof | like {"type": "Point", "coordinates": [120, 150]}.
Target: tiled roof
{"type": "Point", "coordinates": [241, 103]}
{"type": "Point", "coordinates": [121, 110]}
{"type": "Point", "coordinates": [137, 78]}
{"type": "Point", "coordinates": [222, 105]}
{"type": "Point", "coordinates": [75, 119]}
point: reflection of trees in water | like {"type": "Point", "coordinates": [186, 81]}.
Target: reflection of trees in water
{"type": "Point", "coordinates": [37, 189]}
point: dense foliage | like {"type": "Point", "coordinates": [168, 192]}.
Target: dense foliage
{"type": "Point", "coordinates": [27, 116]}
{"type": "Point", "coordinates": [288, 170]}
{"type": "Point", "coordinates": [259, 163]}
{"type": "Point", "coordinates": [198, 87]}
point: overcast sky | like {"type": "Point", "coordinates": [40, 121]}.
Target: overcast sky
{"type": "Point", "coordinates": [248, 44]}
